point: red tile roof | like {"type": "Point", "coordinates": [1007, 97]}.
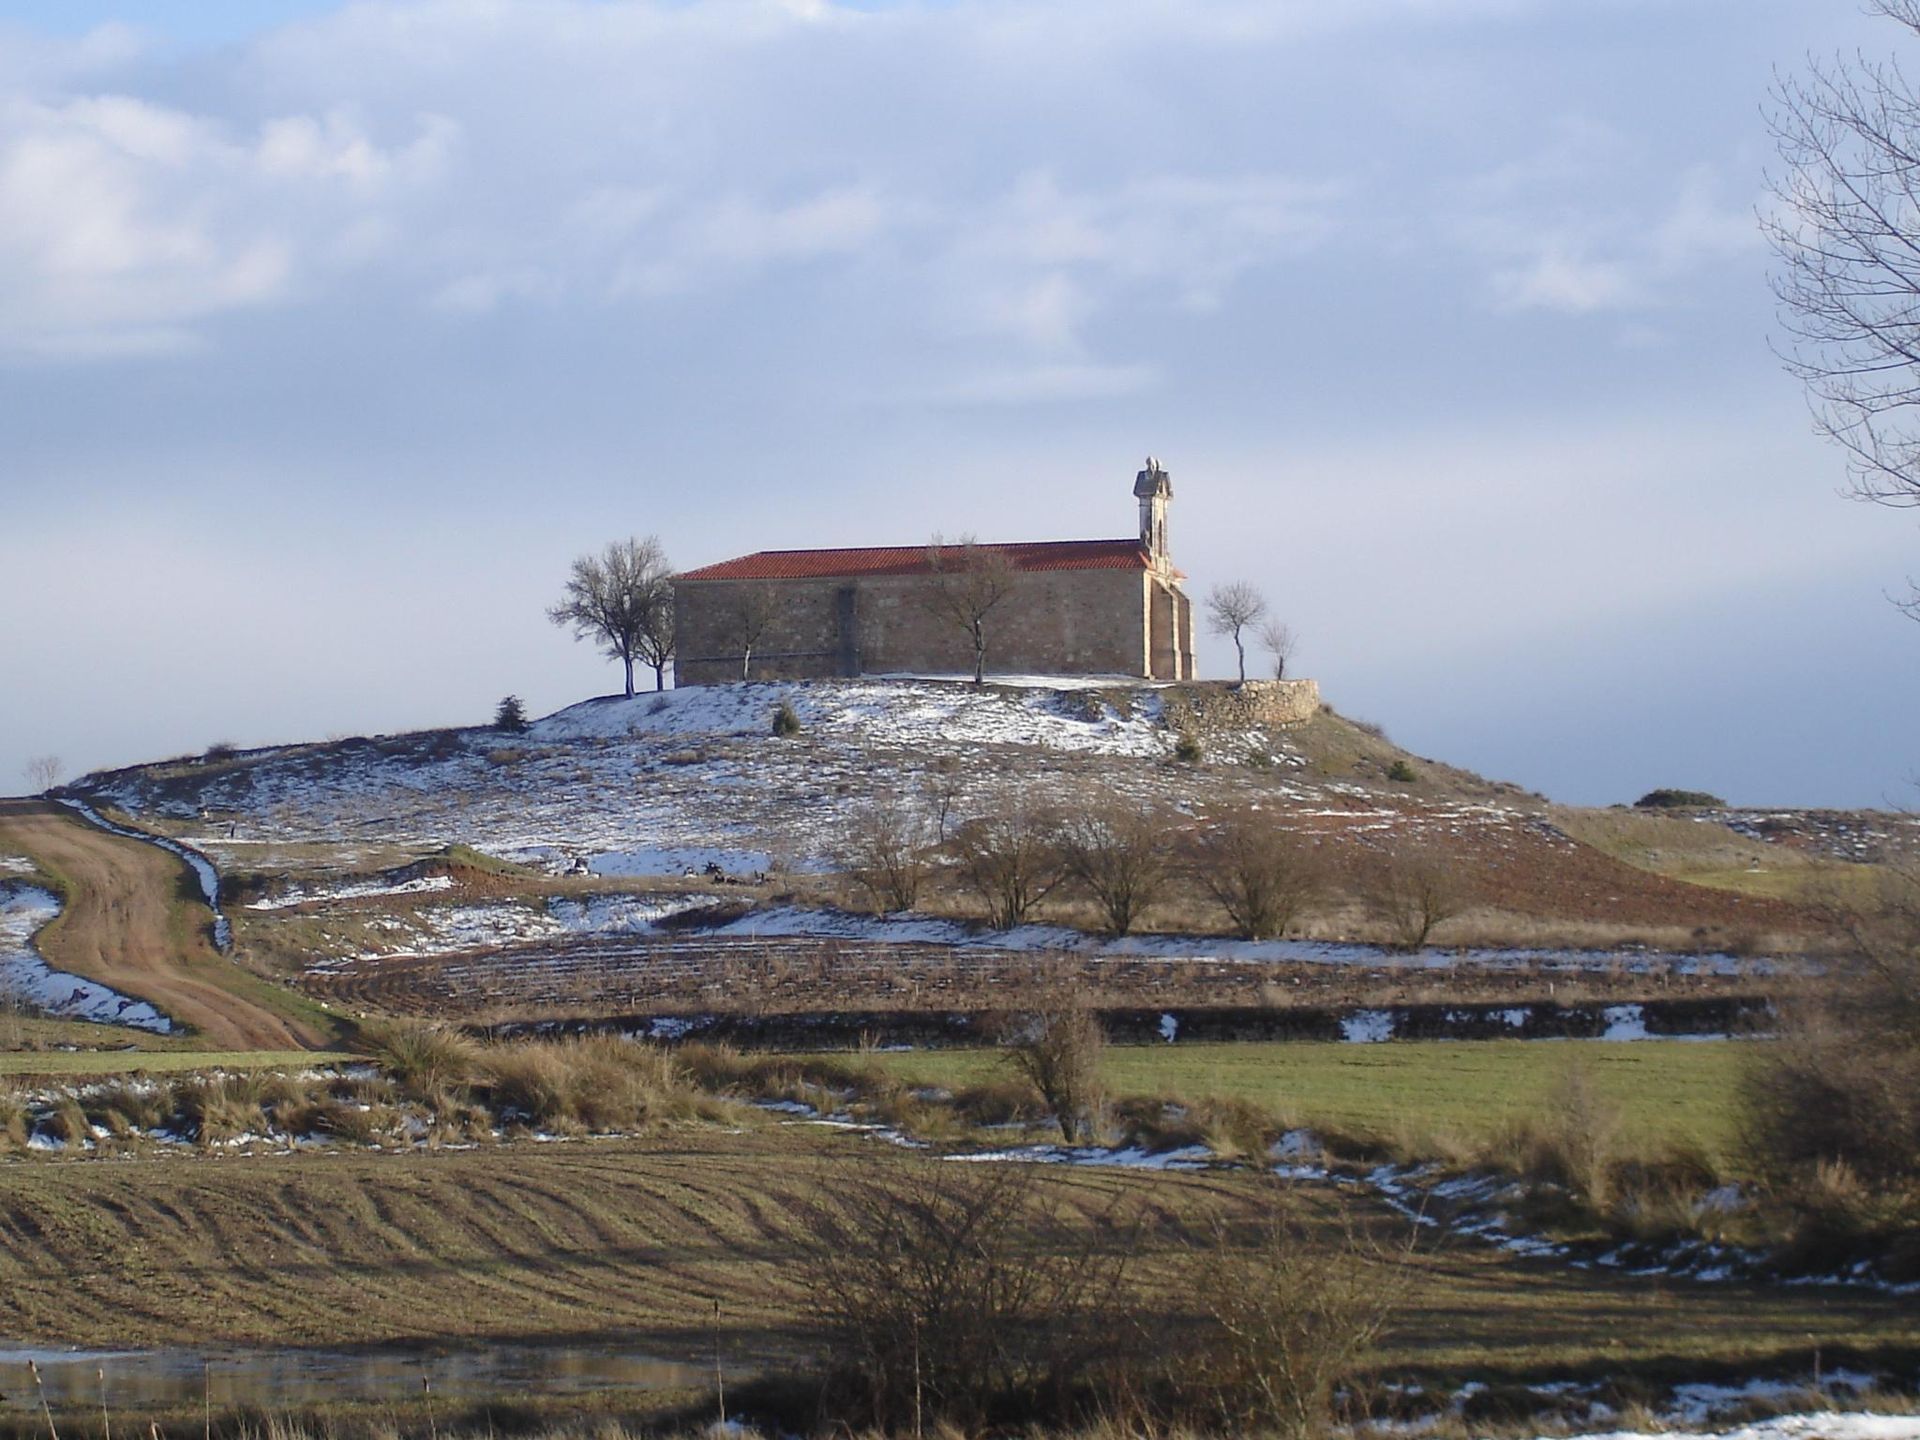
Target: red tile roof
{"type": "Point", "coordinates": [912, 560]}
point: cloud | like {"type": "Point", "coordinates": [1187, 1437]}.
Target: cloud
{"type": "Point", "coordinates": [476, 154]}
{"type": "Point", "coordinates": [125, 223]}
{"type": "Point", "coordinates": [1562, 241]}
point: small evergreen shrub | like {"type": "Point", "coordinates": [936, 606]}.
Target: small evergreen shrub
{"type": "Point", "coordinates": [1665, 799]}
{"type": "Point", "coordinates": [785, 721]}
{"type": "Point", "coordinates": [510, 715]}
{"type": "Point", "coordinates": [1188, 750]}
{"type": "Point", "coordinates": [1402, 772]}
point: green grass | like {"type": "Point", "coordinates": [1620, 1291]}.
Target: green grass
{"type": "Point", "coordinates": [1671, 1092]}
{"type": "Point", "coordinates": [123, 1062]}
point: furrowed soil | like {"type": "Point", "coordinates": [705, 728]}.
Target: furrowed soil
{"type": "Point", "coordinates": [637, 1239]}
{"type": "Point", "coordinates": [130, 919]}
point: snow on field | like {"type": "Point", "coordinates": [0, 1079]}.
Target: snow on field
{"type": "Point", "coordinates": [1820, 1425]}
{"type": "Point", "coordinates": [881, 713]}
{"type": "Point", "coordinates": [27, 978]}
{"type": "Point", "coordinates": [643, 785]}
{"type": "Point", "coordinates": [425, 885]}
{"type": "Point", "coordinates": [792, 921]}
{"type": "Point", "coordinates": [452, 928]}
{"type": "Point", "coordinates": [1131, 1157]}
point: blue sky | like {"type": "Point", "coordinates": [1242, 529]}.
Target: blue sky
{"type": "Point", "coordinates": [329, 334]}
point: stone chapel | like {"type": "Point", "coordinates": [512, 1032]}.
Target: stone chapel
{"type": "Point", "coordinates": [1075, 607]}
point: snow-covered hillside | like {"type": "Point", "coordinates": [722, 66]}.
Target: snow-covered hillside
{"type": "Point", "coordinates": [654, 783]}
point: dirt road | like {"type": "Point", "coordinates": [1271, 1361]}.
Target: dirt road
{"type": "Point", "coordinates": [132, 921]}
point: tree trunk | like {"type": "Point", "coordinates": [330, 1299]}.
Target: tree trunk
{"type": "Point", "coordinates": [1237, 645]}
{"type": "Point", "coordinates": [660, 676]}
{"type": "Point", "coordinates": [629, 660]}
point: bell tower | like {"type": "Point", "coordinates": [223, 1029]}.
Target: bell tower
{"type": "Point", "coordinates": [1154, 489]}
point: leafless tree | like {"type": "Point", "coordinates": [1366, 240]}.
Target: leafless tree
{"type": "Point", "coordinates": [1231, 608]}
{"type": "Point", "coordinates": [1838, 1092]}
{"type": "Point", "coordinates": [944, 1290]}
{"type": "Point", "coordinates": [884, 852]}
{"type": "Point", "coordinates": [1845, 229]}
{"type": "Point", "coordinates": [1011, 860]}
{"type": "Point", "coordinates": [1278, 640]}
{"type": "Point", "coordinates": [43, 773]}
{"type": "Point", "coordinates": [1057, 1046]}
{"type": "Point", "coordinates": [750, 614]}
{"type": "Point", "coordinates": [1413, 888]}
{"type": "Point", "coordinates": [1120, 855]}
{"type": "Point", "coordinates": [943, 783]}
{"type": "Point", "coordinates": [1262, 874]}
{"type": "Point", "coordinates": [1289, 1310]}
{"type": "Point", "coordinates": [965, 583]}
{"type": "Point", "coordinates": [622, 598]}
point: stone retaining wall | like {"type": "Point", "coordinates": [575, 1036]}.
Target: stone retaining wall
{"type": "Point", "coordinates": [1206, 706]}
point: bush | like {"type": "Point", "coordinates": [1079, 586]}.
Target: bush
{"type": "Point", "coordinates": [1120, 856]}
{"type": "Point", "coordinates": [884, 852]}
{"type": "Point", "coordinates": [220, 751]}
{"type": "Point", "coordinates": [427, 1061]}
{"type": "Point", "coordinates": [1678, 800]}
{"type": "Point", "coordinates": [1403, 773]}
{"type": "Point", "coordinates": [1012, 861]}
{"type": "Point", "coordinates": [956, 1294]}
{"type": "Point", "coordinates": [1412, 890]}
{"type": "Point", "coordinates": [1287, 1317]}
{"type": "Point", "coordinates": [1188, 750]}
{"type": "Point", "coordinates": [1263, 876]}
{"type": "Point", "coordinates": [1057, 1048]}
{"type": "Point", "coordinates": [786, 721]}
{"type": "Point", "coordinates": [510, 715]}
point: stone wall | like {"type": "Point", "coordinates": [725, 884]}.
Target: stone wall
{"type": "Point", "coordinates": [1068, 622]}
{"type": "Point", "coordinates": [1208, 706]}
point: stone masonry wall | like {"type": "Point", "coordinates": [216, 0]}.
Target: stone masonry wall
{"type": "Point", "coordinates": [1086, 622]}
{"type": "Point", "coordinates": [1209, 706]}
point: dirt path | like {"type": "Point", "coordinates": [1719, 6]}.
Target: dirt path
{"type": "Point", "coordinates": [132, 921]}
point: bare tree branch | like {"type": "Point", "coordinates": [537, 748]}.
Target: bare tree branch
{"type": "Point", "coordinates": [965, 582]}
{"type": "Point", "coordinates": [1231, 608]}
{"type": "Point", "coordinates": [1845, 230]}
{"type": "Point", "coordinates": [623, 599]}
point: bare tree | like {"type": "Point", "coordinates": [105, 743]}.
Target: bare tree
{"type": "Point", "coordinates": [1846, 233]}
{"type": "Point", "coordinates": [1120, 855]}
{"type": "Point", "coordinates": [884, 852]}
{"type": "Point", "coordinates": [623, 599]}
{"type": "Point", "coordinates": [943, 1291]}
{"type": "Point", "coordinates": [1278, 640]}
{"type": "Point", "coordinates": [749, 614]}
{"type": "Point", "coordinates": [1260, 873]}
{"type": "Point", "coordinates": [1288, 1313]}
{"type": "Point", "coordinates": [943, 783]}
{"type": "Point", "coordinates": [1057, 1047]}
{"type": "Point", "coordinates": [43, 773]}
{"type": "Point", "coordinates": [1231, 608]}
{"type": "Point", "coordinates": [965, 582]}
{"type": "Point", "coordinates": [1413, 889]}
{"type": "Point", "coordinates": [1011, 860]}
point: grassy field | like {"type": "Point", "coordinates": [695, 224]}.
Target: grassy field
{"type": "Point", "coordinates": [635, 1240]}
{"type": "Point", "coordinates": [1669, 1092]}
{"type": "Point", "coordinates": [66, 1063]}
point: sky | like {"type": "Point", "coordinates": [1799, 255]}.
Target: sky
{"type": "Point", "coordinates": [329, 335]}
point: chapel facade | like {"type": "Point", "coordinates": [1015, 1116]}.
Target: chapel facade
{"type": "Point", "coordinates": [1074, 607]}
